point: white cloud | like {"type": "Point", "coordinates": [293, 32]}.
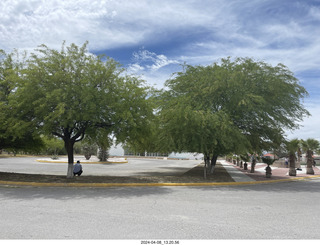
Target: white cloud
{"type": "Point", "coordinates": [202, 31]}
{"type": "Point", "coordinates": [315, 12]}
{"type": "Point", "coordinates": [135, 68]}
{"type": "Point", "coordinates": [151, 67]}
{"type": "Point", "coordinates": [106, 24]}
{"type": "Point", "coordinates": [287, 44]}
{"type": "Point", "coordinates": [150, 60]}
{"type": "Point", "coordinates": [26, 24]}
{"type": "Point", "coordinates": [248, 28]}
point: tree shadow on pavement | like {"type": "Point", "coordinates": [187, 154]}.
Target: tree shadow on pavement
{"type": "Point", "coordinates": [307, 185]}
{"type": "Point", "coordinates": [62, 193]}
{"type": "Point", "coordinates": [194, 175]}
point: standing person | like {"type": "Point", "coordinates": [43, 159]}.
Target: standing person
{"type": "Point", "coordinates": [77, 169]}
{"type": "Point", "coordinates": [287, 162]}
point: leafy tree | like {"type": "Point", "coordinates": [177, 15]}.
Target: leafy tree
{"type": "Point", "coordinates": [309, 146]}
{"type": "Point", "coordinates": [13, 138]}
{"type": "Point", "coordinates": [89, 150]}
{"type": "Point", "coordinates": [281, 151]}
{"type": "Point", "coordinates": [151, 142]}
{"type": "Point", "coordinates": [101, 139]}
{"type": "Point", "coordinates": [268, 160]}
{"type": "Point", "coordinates": [268, 169]}
{"type": "Point", "coordinates": [71, 93]}
{"type": "Point", "coordinates": [103, 154]}
{"type": "Point", "coordinates": [53, 145]}
{"type": "Point", "coordinates": [235, 106]}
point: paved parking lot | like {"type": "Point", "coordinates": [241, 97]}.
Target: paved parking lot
{"type": "Point", "coordinates": [134, 167]}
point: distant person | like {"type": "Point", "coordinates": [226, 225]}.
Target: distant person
{"type": "Point", "coordinates": [287, 162]}
{"type": "Point", "coordinates": [77, 169]}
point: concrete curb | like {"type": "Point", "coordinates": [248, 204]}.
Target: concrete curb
{"type": "Point", "coordinates": [36, 184]}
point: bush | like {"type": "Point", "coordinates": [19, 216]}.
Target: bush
{"type": "Point", "coordinates": [88, 150]}
{"type": "Point", "coordinates": [103, 155]}
{"type": "Point", "coordinates": [268, 160]}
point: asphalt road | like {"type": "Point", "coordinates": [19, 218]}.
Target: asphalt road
{"type": "Point", "coordinates": [287, 210]}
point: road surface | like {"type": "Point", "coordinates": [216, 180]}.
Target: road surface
{"type": "Point", "coordinates": [287, 210]}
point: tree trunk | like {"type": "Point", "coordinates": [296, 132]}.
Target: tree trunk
{"type": "Point", "coordinates": [298, 163]}
{"type": "Point", "coordinates": [253, 164]}
{"type": "Point", "coordinates": [292, 165]}
{"type": "Point", "coordinates": [268, 171]}
{"type": "Point", "coordinates": [206, 167]}
{"type": "Point", "coordinates": [69, 148]}
{"type": "Point", "coordinates": [103, 154]}
{"type": "Point", "coordinates": [213, 162]}
{"type": "Point", "coordinates": [309, 162]}
{"type": "Point", "coordinates": [206, 164]}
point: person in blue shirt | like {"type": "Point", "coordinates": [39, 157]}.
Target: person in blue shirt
{"type": "Point", "coordinates": [77, 169]}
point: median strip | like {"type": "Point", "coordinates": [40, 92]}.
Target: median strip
{"type": "Point", "coordinates": [39, 184]}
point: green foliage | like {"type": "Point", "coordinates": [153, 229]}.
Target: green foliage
{"type": "Point", "coordinates": [53, 145]}
{"type": "Point", "coordinates": [245, 157]}
{"type": "Point", "coordinates": [14, 133]}
{"type": "Point", "coordinates": [310, 144]}
{"type": "Point", "coordinates": [293, 146]}
{"type": "Point", "coordinates": [267, 160]}
{"type": "Point", "coordinates": [88, 149]}
{"type": "Point", "coordinates": [27, 143]}
{"type": "Point", "coordinates": [235, 106]}
{"type": "Point", "coordinates": [103, 154]}
{"type": "Point", "coordinates": [71, 93]}
{"type": "Point", "coordinates": [151, 140]}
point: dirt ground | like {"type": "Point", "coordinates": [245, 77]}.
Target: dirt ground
{"type": "Point", "coordinates": [194, 175]}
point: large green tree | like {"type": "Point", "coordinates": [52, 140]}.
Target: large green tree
{"type": "Point", "coordinates": [13, 138]}
{"type": "Point", "coordinates": [231, 106]}
{"type": "Point", "coordinates": [71, 93]}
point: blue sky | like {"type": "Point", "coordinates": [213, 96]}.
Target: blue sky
{"type": "Point", "coordinates": [152, 38]}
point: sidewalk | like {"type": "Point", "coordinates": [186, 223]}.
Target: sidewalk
{"type": "Point", "coordinates": [240, 175]}
{"type": "Point", "coordinates": [236, 174]}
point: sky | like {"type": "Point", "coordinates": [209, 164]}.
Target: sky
{"type": "Point", "coordinates": [152, 38]}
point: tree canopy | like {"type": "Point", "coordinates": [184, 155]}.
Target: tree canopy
{"type": "Point", "coordinates": [71, 93]}
{"type": "Point", "coordinates": [13, 138]}
{"type": "Point", "coordinates": [231, 107]}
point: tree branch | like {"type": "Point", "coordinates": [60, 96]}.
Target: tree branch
{"type": "Point", "coordinates": [81, 138]}
{"type": "Point", "coordinates": [104, 125]}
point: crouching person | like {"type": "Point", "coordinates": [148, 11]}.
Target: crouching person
{"type": "Point", "coordinates": [77, 169]}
